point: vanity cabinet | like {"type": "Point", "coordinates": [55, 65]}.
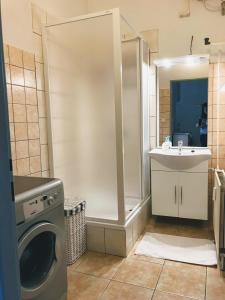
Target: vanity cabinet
{"type": "Point", "coordinates": [180, 194]}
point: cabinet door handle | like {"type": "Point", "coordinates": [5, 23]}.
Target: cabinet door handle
{"type": "Point", "coordinates": [181, 195]}
{"type": "Point", "coordinates": [175, 192]}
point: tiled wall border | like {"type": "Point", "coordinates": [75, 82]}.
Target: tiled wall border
{"type": "Point", "coordinates": [26, 103]}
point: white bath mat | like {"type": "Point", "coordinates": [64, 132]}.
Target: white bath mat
{"type": "Point", "coordinates": [183, 249]}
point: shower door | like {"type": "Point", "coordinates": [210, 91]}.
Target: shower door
{"type": "Point", "coordinates": [84, 77]}
{"type": "Point", "coordinates": [135, 74]}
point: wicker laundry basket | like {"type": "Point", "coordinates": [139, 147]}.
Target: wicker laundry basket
{"type": "Point", "coordinates": [75, 227]}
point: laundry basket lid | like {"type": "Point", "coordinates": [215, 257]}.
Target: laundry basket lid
{"type": "Point", "coordinates": [73, 206]}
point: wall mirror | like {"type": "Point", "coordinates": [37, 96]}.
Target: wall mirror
{"type": "Point", "coordinates": [182, 93]}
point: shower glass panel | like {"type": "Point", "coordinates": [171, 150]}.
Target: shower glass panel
{"type": "Point", "coordinates": [80, 58]}
{"type": "Point", "coordinates": [131, 123]}
{"type": "Point", "coordinates": [135, 91]}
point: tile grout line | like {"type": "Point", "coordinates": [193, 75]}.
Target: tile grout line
{"type": "Point", "coordinates": [158, 279]}
{"type": "Point", "coordinates": [129, 283]}
{"type": "Point", "coordinates": [206, 276]}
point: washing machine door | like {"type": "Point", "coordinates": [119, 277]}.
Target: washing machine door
{"type": "Point", "coordinates": [40, 252]}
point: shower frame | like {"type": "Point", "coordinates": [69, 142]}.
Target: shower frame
{"type": "Point", "coordinates": [118, 102]}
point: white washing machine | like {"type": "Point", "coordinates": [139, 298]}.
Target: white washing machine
{"type": "Point", "coordinates": [41, 241]}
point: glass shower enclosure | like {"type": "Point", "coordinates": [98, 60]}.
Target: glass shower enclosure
{"type": "Point", "coordinates": [97, 79]}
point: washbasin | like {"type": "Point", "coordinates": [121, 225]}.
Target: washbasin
{"type": "Point", "coordinates": [186, 159]}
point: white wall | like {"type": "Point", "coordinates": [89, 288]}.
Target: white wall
{"type": "Point", "coordinates": [63, 8]}
{"type": "Point", "coordinates": [174, 33]}
{"type": "Point", "coordinates": [17, 19]}
{"type": "Point", "coordinates": [17, 23]}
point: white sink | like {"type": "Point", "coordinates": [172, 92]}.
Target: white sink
{"type": "Point", "coordinates": [188, 158]}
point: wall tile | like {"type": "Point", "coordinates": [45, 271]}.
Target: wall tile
{"type": "Point", "coordinates": [17, 75]}
{"type": "Point", "coordinates": [24, 109]}
{"type": "Point", "coordinates": [29, 77]}
{"type": "Point", "coordinates": [210, 84]}
{"type": "Point", "coordinates": [218, 83]}
{"type": "Point", "coordinates": [7, 73]}
{"type": "Point", "coordinates": [33, 131]}
{"type": "Point", "coordinates": [28, 61]}
{"type": "Point", "coordinates": [10, 112]}
{"type": "Point", "coordinates": [210, 111]}
{"type": "Point", "coordinates": [40, 76]}
{"type": "Point", "coordinates": [35, 164]}
{"type": "Point", "coordinates": [44, 157]}
{"type": "Point", "coordinates": [45, 174]}
{"type": "Point", "coordinates": [9, 93]}
{"type": "Point", "coordinates": [96, 238]}
{"type": "Point", "coordinates": [34, 147]}
{"type": "Point", "coordinates": [6, 54]}
{"type": "Point", "coordinates": [37, 41]}
{"type": "Point", "coordinates": [38, 174]}
{"type": "Point", "coordinates": [22, 149]}
{"type": "Point", "coordinates": [15, 56]}
{"type": "Point", "coordinates": [13, 150]}
{"type": "Point", "coordinates": [14, 167]}
{"type": "Point", "coordinates": [218, 111]}
{"type": "Point", "coordinates": [21, 131]}
{"type": "Point", "coordinates": [211, 70]}
{"type": "Point", "coordinates": [32, 113]}
{"type": "Point", "coordinates": [23, 167]}
{"type": "Point", "coordinates": [19, 111]}
{"type": "Point", "coordinates": [210, 98]}
{"type": "Point", "coordinates": [12, 132]}
{"type": "Point", "coordinates": [31, 96]}
{"type": "Point", "coordinates": [18, 94]}
{"type": "Point", "coordinates": [115, 242]}
{"type": "Point", "coordinates": [41, 104]}
{"type": "Point", "coordinates": [43, 131]}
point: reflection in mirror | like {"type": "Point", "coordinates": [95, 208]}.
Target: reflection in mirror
{"type": "Point", "coordinates": [183, 100]}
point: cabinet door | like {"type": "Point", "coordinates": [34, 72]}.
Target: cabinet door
{"type": "Point", "coordinates": [193, 196]}
{"type": "Point", "coordinates": [164, 193]}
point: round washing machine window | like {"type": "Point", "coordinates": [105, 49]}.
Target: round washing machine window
{"type": "Point", "coordinates": [40, 253]}
{"type": "Point", "coordinates": [37, 259]}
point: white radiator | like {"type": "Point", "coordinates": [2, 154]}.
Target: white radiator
{"type": "Point", "coordinates": [219, 216]}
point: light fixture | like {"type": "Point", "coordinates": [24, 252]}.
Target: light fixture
{"type": "Point", "coordinates": [191, 60]}
{"type": "Point", "coordinates": [167, 63]}
{"type": "Point", "coordinates": [188, 60]}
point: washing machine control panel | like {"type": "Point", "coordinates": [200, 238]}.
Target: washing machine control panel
{"type": "Point", "coordinates": [39, 204]}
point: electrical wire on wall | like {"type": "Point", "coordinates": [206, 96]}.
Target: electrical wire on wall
{"type": "Point", "coordinates": [191, 44]}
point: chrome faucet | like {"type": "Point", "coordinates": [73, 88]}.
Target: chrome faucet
{"type": "Point", "coordinates": [180, 146]}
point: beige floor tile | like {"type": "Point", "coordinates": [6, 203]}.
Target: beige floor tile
{"type": "Point", "coordinates": [139, 273]}
{"type": "Point", "coordinates": [164, 225]}
{"type": "Point", "coordinates": [215, 287]}
{"type": "Point", "coordinates": [85, 287]}
{"type": "Point", "coordinates": [99, 264]}
{"type": "Point", "coordinates": [74, 266]}
{"type": "Point", "coordinates": [183, 279]}
{"type": "Point", "coordinates": [195, 231]}
{"type": "Point", "coordinates": [166, 296]}
{"type": "Point", "coordinates": [124, 291]}
{"type": "Point", "coordinates": [147, 258]}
